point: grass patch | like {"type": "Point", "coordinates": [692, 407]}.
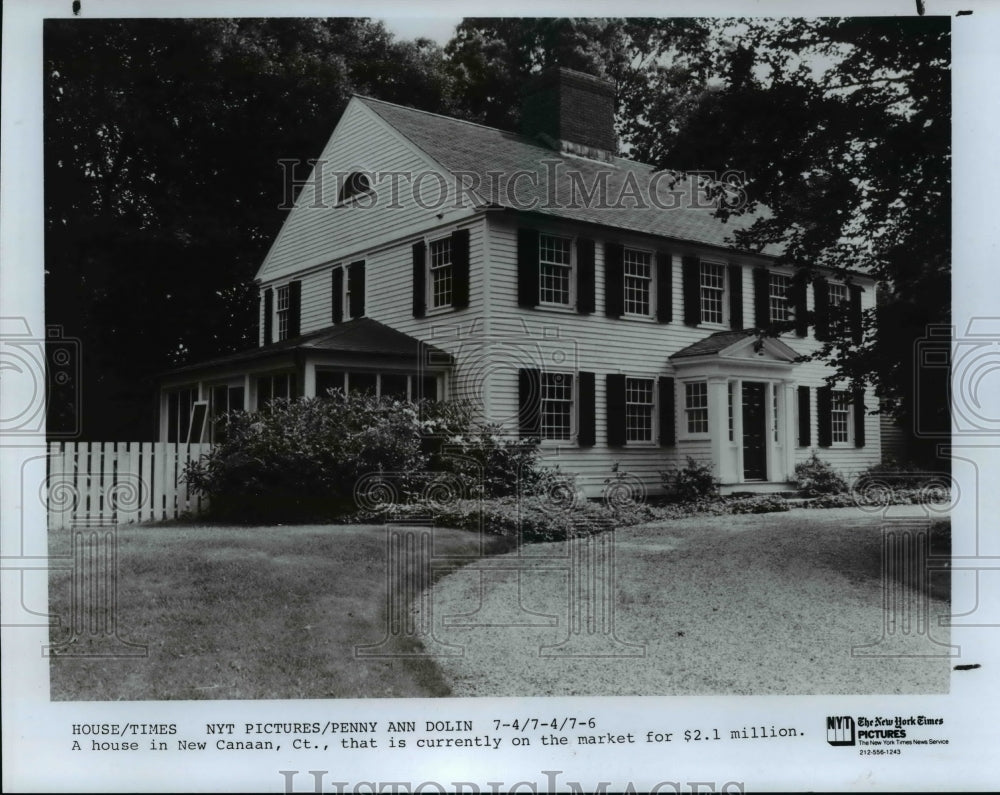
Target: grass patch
{"type": "Point", "coordinates": [251, 612]}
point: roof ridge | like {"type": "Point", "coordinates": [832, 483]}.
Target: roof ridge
{"type": "Point", "coordinates": [365, 97]}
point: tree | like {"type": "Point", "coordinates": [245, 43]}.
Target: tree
{"type": "Point", "coordinates": [842, 129]}
{"type": "Point", "coordinates": [162, 178]}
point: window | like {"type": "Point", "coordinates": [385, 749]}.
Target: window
{"type": "Point", "coordinates": [282, 312]}
{"type": "Point", "coordinates": [840, 417]}
{"type": "Point", "coordinates": [356, 184]}
{"type": "Point", "coordinates": [393, 386]}
{"type": "Point", "coordinates": [273, 387]}
{"type": "Point", "coordinates": [638, 409]}
{"type": "Point", "coordinates": [732, 413]}
{"type": "Point", "coordinates": [774, 414]}
{"type": "Point", "coordinates": [179, 403]}
{"type": "Point", "coordinates": [638, 281]}
{"type": "Point", "coordinates": [222, 399]}
{"type": "Point", "coordinates": [778, 284]}
{"type": "Point", "coordinates": [555, 270]}
{"type": "Point", "coordinates": [557, 406]}
{"type": "Point", "coordinates": [713, 288]}
{"type": "Point", "coordinates": [837, 301]}
{"type": "Point", "coordinates": [441, 273]}
{"type": "Point", "coordinates": [696, 406]}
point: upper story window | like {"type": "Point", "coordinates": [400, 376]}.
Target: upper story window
{"type": "Point", "coordinates": [713, 290]}
{"type": "Point", "coordinates": [639, 405]}
{"type": "Point", "coordinates": [696, 406]}
{"type": "Point", "coordinates": [840, 417]}
{"type": "Point", "coordinates": [281, 308]}
{"type": "Point", "coordinates": [557, 406]}
{"type": "Point", "coordinates": [638, 282]}
{"type": "Point", "coordinates": [356, 184]}
{"type": "Point", "coordinates": [555, 270]}
{"type": "Point", "coordinates": [441, 273]}
{"type": "Point", "coordinates": [778, 286]}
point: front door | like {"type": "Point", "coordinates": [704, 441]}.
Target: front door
{"type": "Point", "coordinates": [754, 431]}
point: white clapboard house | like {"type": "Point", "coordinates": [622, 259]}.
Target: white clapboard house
{"type": "Point", "coordinates": [574, 295]}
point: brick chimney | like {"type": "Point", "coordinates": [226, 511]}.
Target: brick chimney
{"type": "Point", "coordinates": [571, 112]}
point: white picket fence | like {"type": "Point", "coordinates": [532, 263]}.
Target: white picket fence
{"type": "Point", "coordinates": [119, 482]}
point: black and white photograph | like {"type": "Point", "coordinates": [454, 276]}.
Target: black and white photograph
{"type": "Point", "coordinates": [498, 403]}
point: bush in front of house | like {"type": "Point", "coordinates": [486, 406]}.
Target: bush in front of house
{"type": "Point", "coordinates": [300, 460]}
{"type": "Point", "coordinates": [318, 458]}
{"type": "Point", "coordinates": [693, 482]}
{"type": "Point", "coordinates": [815, 476]}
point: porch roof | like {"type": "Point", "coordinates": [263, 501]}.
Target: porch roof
{"type": "Point", "coordinates": [361, 338]}
{"type": "Point", "coordinates": [721, 341]}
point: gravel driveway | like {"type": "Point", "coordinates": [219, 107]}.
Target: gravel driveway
{"type": "Point", "coordinates": [753, 604]}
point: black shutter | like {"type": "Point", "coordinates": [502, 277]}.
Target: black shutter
{"type": "Point", "coordinates": [691, 274]}
{"type": "Point", "coordinates": [294, 308]}
{"type": "Point", "coordinates": [668, 433]}
{"type": "Point", "coordinates": [615, 385]}
{"type": "Point", "coordinates": [821, 312]}
{"type": "Point", "coordinates": [735, 297]}
{"type": "Point", "coordinates": [859, 417]}
{"type": "Point", "coordinates": [419, 276]}
{"type": "Point", "coordinates": [761, 297]}
{"type": "Point", "coordinates": [664, 287]}
{"type": "Point", "coordinates": [337, 294]}
{"type": "Point", "coordinates": [356, 286]}
{"type": "Point", "coordinates": [586, 432]}
{"type": "Point", "coordinates": [857, 332]}
{"type": "Point", "coordinates": [805, 417]}
{"type": "Point", "coordinates": [460, 268]}
{"type": "Point", "coordinates": [268, 316]}
{"type": "Point", "coordinates": [585, 277]}
{"type": "Point", "coordinates": [527, 267]}
{"type": "Point", "coordinates": [824, 411]}
{"type": "Point", "coordinates": [799, 290]}
{"type": "Point", "coordinates": [529, 399]}
{"type": "Point", "coordinates": [614, 279]}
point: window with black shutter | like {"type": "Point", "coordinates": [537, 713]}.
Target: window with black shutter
{"type": "Point", "coordinates": [805, 417]}
{"type": "Point", "coordinates": [615, 389]}
{"type": "Point", "coordinates": [854, 314]}
{"type": "Point", "coordinates": [586, 430]}
{"type": "Point", "coordinates": [529, 399]}
{"type": "Point", "coordinates": [584, 276]}
{"type": "Point", "coordinates": [527, 267]}
{"type": "Point", "coordinates": [460, 268]}
{"type": "Point", "coordinates": [268, 316]}
{"type": "Point", "coordinates": [799, 292]}
{"type": "Point", "coordinates": [735, 273]}
{"type": "Point", "coordinates": [824, 416]}
{"type": "Point", "coordinates": [614, 279]}
{"type": "Point", "coordinates": [821, 311]}
{"type": "Point", "coordinates": [294, 308]}
{"type": "Point", "coordinates": [419, 282]}
{"type": "Point", "coordinates": [668, 431]}
{"type": "Point", "coordinates": [858, 399]}
{"type": "Point", "coordinates": [356, 288]}
{"type": "Point", "coordinates": [691, 285]}
{"type": "Point", "coordinates": [664, 287]}
{"type": "Point", "coordinates": [761, 297]}
{"type": "Point", "coordinates": [337, 294]}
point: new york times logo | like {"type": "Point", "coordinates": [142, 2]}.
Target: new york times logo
{"type": "Point", "coordinates": [840, 730]}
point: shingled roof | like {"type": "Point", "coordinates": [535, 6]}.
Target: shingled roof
{"type": "Point", "coordinates": [461, 146]}
{"type": "Point", "coordinates": [362, 338]}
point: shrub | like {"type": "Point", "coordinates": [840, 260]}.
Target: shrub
{"type": "Point", "coordinates": [304, 459]}
{"type": "Point", "coordinates": [815, 476]}
{"type": "Point", "coordinates": [691, 483]}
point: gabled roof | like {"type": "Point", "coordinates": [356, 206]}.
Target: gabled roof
{"type": "Point", "coordinates": [723, 342]}
{"type": "Point", "coordinates": [461, 146]}
{"type": "Point", "coordinates": [360, 338]}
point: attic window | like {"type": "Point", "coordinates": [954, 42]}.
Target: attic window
{"type": "Point", "coordinates": [356, 184]}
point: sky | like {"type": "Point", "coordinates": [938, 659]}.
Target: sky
{"type": "Point", "coordinates": [439, 29]}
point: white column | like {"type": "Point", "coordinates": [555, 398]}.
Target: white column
{"type": "Point", "coordinates": [789, 427]}
{"type": "Point", "coordinates": [309, 380]}
{"type": "Point", "coordinates": [770, 448]}
{"type": "Point", "coordinates": [718, 427]}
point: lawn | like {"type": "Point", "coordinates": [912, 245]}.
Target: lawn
{"type": "Point", "coordinates": [248, 612]}
{"type": "Point", "coordinates": [768, 604]}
